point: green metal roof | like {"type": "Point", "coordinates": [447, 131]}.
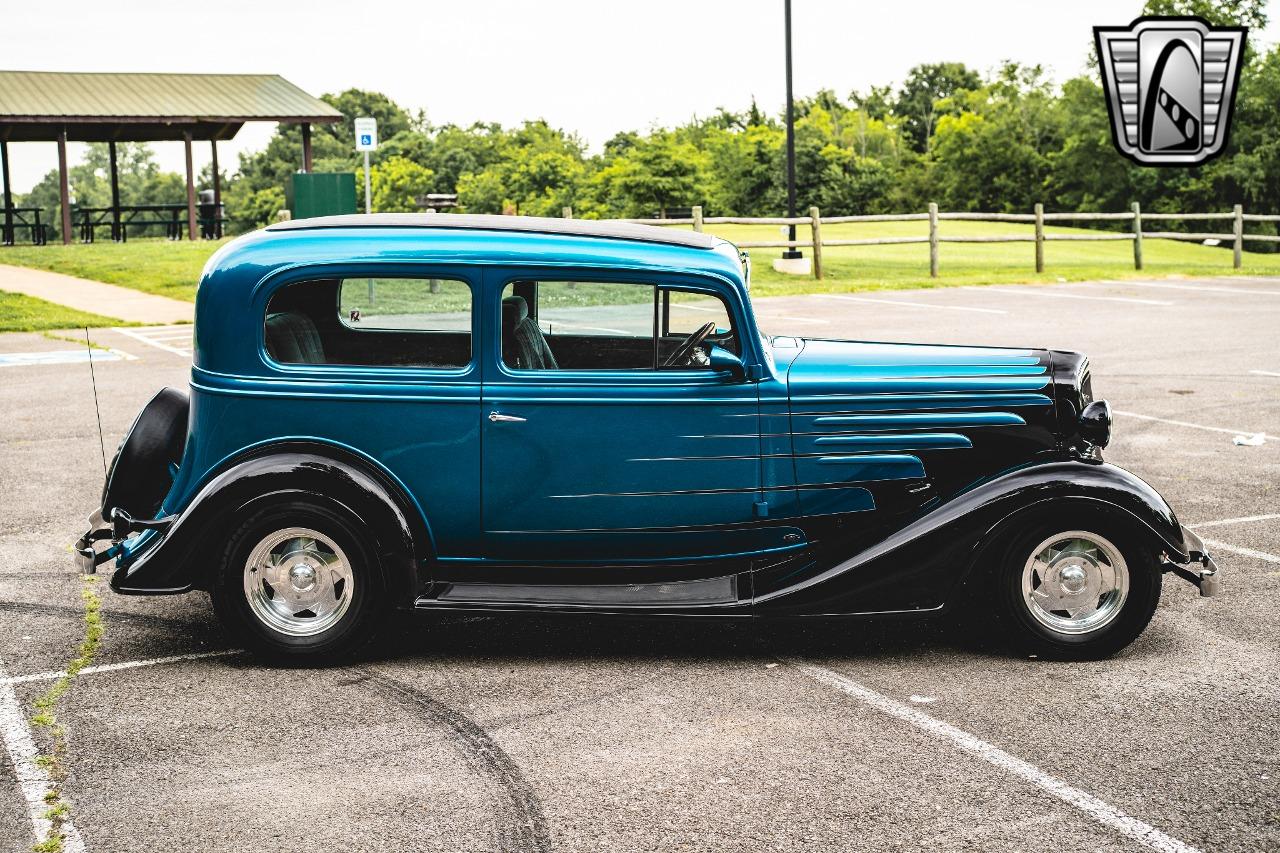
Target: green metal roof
{"type": "Point", "coordinates": [103, 105]}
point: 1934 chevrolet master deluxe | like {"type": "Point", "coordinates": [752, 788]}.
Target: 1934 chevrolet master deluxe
{"type": "Point", "coordinates": [505, 413]}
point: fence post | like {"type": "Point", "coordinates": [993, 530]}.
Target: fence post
{"type": "Point", "coordinates": [1238, 258]}
{"type": "Point", "coordinates": [815, 224]}
{"type": "Point", "coordinates": [1039, 237]}
{"type": "Point", "coordinates": [933, 239]}
{"type": "Point", "coordinates": [697, 217]}
{"type": "Point", "coordinates": [1137, 236]}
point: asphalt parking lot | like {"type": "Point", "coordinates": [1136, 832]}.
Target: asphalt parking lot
{"type": "Point", "coordinates": [537, 734]}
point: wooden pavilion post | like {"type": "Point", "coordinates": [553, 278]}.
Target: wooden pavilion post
{"type": "Point", "coordinates": [6, 236]}
{"type": "Point", "coordinates": [306, 147]}
{"type": "Point", "coordinates": [117, 233]}
{"type": "Point", "coordinates": [191, 188]}
{"type": "Point", "coordinates": [64, 192]}
{"type": "Point", "coordinates": [217, 191]}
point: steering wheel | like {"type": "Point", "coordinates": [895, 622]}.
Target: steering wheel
{"type": "Point", "coordinates": [688, 345]}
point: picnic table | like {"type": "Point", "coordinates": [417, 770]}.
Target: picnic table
{"type": "Point", "coordinates": [172, 216]}
{"type": "Point", "coordinates": [23, 217]}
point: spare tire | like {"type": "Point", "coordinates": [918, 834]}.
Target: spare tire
{"type": "Point", "coordinates": [139, 476]}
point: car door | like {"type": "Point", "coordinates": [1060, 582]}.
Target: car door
{"type": "Point", "coordinates": [605, 457]}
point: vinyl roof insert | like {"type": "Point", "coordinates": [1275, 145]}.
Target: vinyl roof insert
{"type": "Point", "coordinates": [608, 229]}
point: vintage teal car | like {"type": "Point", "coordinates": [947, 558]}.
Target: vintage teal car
{"type": "Point", "coordinates": [441, 412]}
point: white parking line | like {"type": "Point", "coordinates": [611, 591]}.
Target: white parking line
{"type": "Point", "coordinates": [1095, 808]}
{"type": "Point", "coordinates": [1055, 295]}
{"type": "Point", "coordinates": [1201, 289]}
{"type": "Point", "coordinates": [1244, 519]}
{"type": "Point", "coordinates": [1265, 372]}
{"type": "Point", "coordinates": [905, 304]}
{"type": "Point", "coordinates": [32, 778]}
{"type": "Point", "coordinates": [1243, 552]}
{"type": "Point", "coordinates": [147, 339]}
{"type": "Point", "coordinates": [115, 667]}
{"type": "Point", "coordinates": [784, 317]}
{"type": "Point", "coordinates": [1265, 436]}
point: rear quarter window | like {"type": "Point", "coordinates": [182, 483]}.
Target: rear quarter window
{"type": "Point", "coordinates": [372, 322]}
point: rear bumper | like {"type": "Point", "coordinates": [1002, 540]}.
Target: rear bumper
{"type": "Point", "coordinates": [88, 557]}
{"type": "Point", "coordinates": [118, 533]}
{"type": "Point", "coordinates": [1199, 568]}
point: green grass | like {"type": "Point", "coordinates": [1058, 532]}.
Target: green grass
{"type": "Point", "coordinates": [46, 718]}
{"type": "Point", "coordinates": [173, 268]}
{"type": "Point", "coordinates": [21, 313]}
{"type": "Point", "coordinates": [163, 267]}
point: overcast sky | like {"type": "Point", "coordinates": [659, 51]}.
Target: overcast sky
{"type": "Point", "coordinates": [590, 67]}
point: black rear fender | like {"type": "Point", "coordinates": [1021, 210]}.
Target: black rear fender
{"type": "Point", "coordinates": [187, 554]}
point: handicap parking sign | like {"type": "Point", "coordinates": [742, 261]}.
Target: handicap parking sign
{"type": "Point", "coordinates": [366, 134]}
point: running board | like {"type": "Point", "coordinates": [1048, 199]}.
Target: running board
{"type": "Point", "coordinates": [709, 591]}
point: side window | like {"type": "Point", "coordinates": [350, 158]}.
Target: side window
{"type": "Point", "coordinates": [683, 312]}
{"type": "Point", "coordinates": [371, 322]}
{"type": "Point", "coordinates": [591, 325]}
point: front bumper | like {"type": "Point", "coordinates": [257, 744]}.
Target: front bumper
{"type": "Point", "coordinates": [1206, 577]}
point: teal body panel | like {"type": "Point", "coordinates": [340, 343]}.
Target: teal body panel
{"type": "Point", "coordinates": [911, 423]}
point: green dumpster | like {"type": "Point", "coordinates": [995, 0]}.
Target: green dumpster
{"type": "Point", "coordinates": [321, 194]}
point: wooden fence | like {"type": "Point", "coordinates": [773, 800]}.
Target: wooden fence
{"type": "Point", "coordinates": [814, 221]}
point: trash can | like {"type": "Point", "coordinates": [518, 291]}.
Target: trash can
{"type": "Point", "coordinates": [210, 214]}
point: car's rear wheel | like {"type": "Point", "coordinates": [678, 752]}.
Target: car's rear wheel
{"type": "Point", "coordinates": [1077, 588]}
{"type": "Point", "coordinates": [299, 582]}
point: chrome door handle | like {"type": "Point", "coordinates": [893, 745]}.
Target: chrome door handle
{"type": "Point", "coordinates": [499, 418]}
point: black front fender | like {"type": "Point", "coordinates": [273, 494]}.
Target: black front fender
{"type": "Point", "coordinates": [187, 553]}
{"type": "Point", "coordinates": [919, 565]}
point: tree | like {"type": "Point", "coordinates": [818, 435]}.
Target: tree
{"type": "Point", "coordinates": [877, 102]}
{"type": "Point", "coordinates": [742, 169]}
{"type": "Point", "coordinates": [1249, 13]}
{"type": "Point", "coordinates": [1087, 172]}
{"type": "Point", "coordinates": [658, 173]}
{"type": "Point", "coordinates": [926, 85]}
{"type": "Point", "coordinates": [356, 103]}
{"type": "Point", "coordinates": [992, 148]}
{"type": "Point", "coordinates": [535, 168]}
{"type": "Point", "coordinates": [395, 184]}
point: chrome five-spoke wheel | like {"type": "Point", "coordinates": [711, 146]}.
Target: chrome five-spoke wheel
{"type": "Point", "coordinates": [298, 582]}
{"type": "Point", "coordinates": [1075, 582]}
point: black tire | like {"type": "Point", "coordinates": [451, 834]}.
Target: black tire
{"type": "Point", "coordinates": [357, 625]}
{"type": "Point", "coordinates": [139, 476]}
{"type": "Point", "coordinates": [1021, 628]}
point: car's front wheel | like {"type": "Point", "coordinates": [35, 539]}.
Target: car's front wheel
{"type": "Point", "coordinates": [1078, 588]}
{"type": "Point", "coordinates": [299, 582]}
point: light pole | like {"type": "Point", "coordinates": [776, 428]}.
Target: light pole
{"type": "Point", "coordinates": [791, 252]}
